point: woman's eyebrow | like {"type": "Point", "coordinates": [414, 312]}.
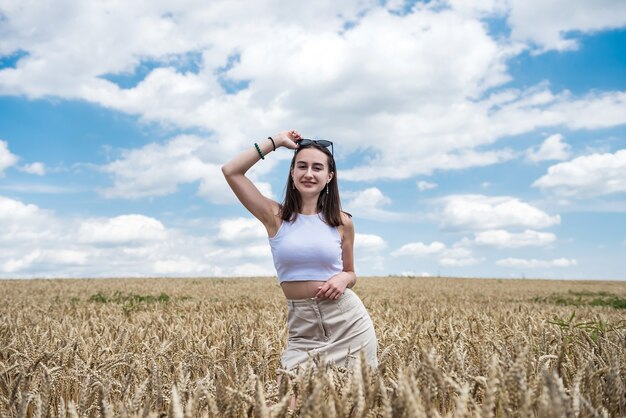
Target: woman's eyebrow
{"type": "Point", "coordinates": [306, 162]}
{"type": "Point", "coordinates": [314, 164]}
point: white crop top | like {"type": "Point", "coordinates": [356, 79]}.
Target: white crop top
{"type": "Point", "coordinates": [306, 249]}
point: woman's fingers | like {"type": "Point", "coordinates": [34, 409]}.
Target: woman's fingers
{"type": "Point", "coordinates": [327, 291]}
{"type": "Point", "coordinates": [289, 138]}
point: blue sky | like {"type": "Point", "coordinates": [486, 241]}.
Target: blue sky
{"type": "Point", "coordinates": [473, 138]}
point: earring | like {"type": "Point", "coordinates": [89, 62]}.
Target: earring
{"type": "Point", "coordinates": [326, 188]}
{"type": "Point", "coordinates": [293, 185]}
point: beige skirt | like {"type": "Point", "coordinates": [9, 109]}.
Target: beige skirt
{"type": "Point", "coordinates": [336, 330]}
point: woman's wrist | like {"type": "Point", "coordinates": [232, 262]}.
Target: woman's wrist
{"type": "Point", "coordinates": [350, 278]}
{"type": "Point", "coordinates": [264, 147]}
{"type": "Point", "coordinates": [286, 139]}
{"type": "Point", "coordinates": [278, 140]}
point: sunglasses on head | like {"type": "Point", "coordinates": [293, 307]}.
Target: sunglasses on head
{"type": "Point", "coordinates": [321, 142]}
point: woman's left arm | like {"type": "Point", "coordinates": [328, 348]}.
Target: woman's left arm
{"type": "Point", "coordinates": [336, 285]}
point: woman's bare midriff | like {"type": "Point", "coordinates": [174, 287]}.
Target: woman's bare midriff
{"type": "Point", "coordinates": [301, 290]}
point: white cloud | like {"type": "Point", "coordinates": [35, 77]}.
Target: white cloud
{"type": "Point", "coordinates": [65, 257]}
{"type": "Point", "coordinates": [479, 7]}
{"type": "Point", "coordinates": [369, 203]}
{"type": "Point", "coordinates": [504, 239]}
{"type": "Point", "coordinates": [24, 223]}
{"type": "Point", "coordinates": [14, 264]}
{"type": "Point", "coordinates": [249, 269]}
{"type": "Point", "coordinates": [457, 256]}
{"type": "Point", "coordinates": [48, 257]}
{"type": "Point", "coordinates": [414, 274]}
{"type": "Point", "coordinates": [553, 148]}
{"type": "Point", "coordinates": [582, 113]}
{"type": "Point", "coordinates": [158, 170]}
{"type": "Point", "coordinates": [369, 198]}
{"type": "Point", "coordinates": [586, 176]}
{"type": "Point", "coordinates": [369, 242]}
{"type": "Point", "coordinates": [241, 230]}
{"type": "Point", "coordinates": [538, 107]}
{"type": "Point", "coordinates": [460, 262]}
{"type": "Point", "coordinates": [31, 236]}
{"type": "Point", "coordinates": [450, 142]}
{"type": "Point", "coordinates": [479, 212]}
{"type": "Point", "coordinates": [182, 265]}
{"type": "Point", "coordinates": [550, 24]}
{"type": "Point", "coordinates": [34, 168]}
{"type": "Point", "coordinates": [242, 250]}
{"type": "Point", "coordinates": [407, 164]}
{"type": "Point", "coordinates": [534, 263]}
{"type": "Point", "coordinates": [121, 230]}
{"type": "Point", "coordinates": [214, 188]}
{"type": "Point", "coordinates": [425, 185]}
{"type": "Point", "coordinates": [355, 86]}
{"type": "Point", "coordinates": [420, 249]}
{"type": "Point", "coordinates": [155, 169]}
{"type": "Point", "coordinates": [7, 159]}
{"type": "Point", "coordinates": [37, 243]}
{"type": "Point", "coordinates": [13, 210]}
{"type": "Point", "coordinates": [38, 188]}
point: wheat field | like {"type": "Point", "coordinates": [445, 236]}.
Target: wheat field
{"type": "Point", "coordinates": [211, 347]}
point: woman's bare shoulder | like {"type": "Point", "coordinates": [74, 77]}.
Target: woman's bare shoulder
{"type": "Point", "coordinates": [347, 228]}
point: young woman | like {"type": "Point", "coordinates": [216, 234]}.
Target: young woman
{"type": "Point", "coordinates": [312, 243]}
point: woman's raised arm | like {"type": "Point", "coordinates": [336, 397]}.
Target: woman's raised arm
{"type": "Point", "coordinates": [263, 208]}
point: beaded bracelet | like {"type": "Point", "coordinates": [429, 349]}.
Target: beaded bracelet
{"type": "Point", "coordinates": [259, 150]}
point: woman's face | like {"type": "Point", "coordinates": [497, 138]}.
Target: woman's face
{"type": "Point", "coordinates": [310, 172]}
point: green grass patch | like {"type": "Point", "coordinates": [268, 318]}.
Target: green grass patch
{"type": "Point", "coordinates": [124, 298]}
{"type": "Point", "coordinates": [594, 328]}
{"type": "Point", "coordinates": [584, 298]}
{"type": "Point", "coordinates": [132, 302]}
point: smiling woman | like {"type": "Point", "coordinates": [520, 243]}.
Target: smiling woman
{"type": "Point", "coordinates": [312, 242]}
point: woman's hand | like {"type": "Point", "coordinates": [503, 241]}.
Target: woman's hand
{"type": "Point", "coordinates": [335, 286]}
{"type": "Point", "coordinates": [287, 139]}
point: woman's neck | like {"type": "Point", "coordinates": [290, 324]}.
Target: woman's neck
{"type": "Point", "coordinates": [309, 207]}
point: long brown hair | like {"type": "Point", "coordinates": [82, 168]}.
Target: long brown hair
{"type": "Point", "coordinates": [328, 204]}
